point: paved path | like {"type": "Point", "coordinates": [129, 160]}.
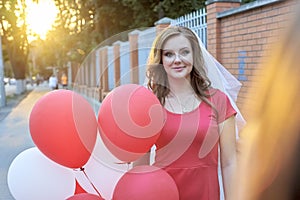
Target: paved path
{"type": "Point", "coordinates": [14, 134]}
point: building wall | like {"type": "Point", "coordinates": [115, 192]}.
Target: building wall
{"type": "Point", "coordinates": [241, 37]}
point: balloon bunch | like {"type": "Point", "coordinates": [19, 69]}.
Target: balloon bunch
{"type": "Point", "coordinates": [67, 162]}
{"type": "Point", "coordinates": [63, 127]}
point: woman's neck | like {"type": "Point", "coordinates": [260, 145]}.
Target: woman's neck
{"type": "Point", "coordinates": [180, 87]}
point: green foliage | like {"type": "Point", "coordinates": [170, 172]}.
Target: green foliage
{"type": "Point", "coordinates": [13, 31]}
{"type": "Point", "coordinates": [145, 13]}
{"type": "Point", "coordinates": [81, 26]}
{"type": "Point", "coordinates": [97, 20]}
{"type": "Point", "coordinates": [247, 1]}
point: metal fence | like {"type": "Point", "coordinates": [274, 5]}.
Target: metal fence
{"type": "Point", "coordinates": [93, 72]}
{"type": "Point", "coordinates": [195, 21]}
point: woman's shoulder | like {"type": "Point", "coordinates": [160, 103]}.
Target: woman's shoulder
{"type": "Point", "coordinates": [215, 92]}
{"type": "Point", "coordinates": [217, 96]}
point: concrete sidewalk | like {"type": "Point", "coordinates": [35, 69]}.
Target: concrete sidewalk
{"type": "Point", "coordinates": [14, 134]}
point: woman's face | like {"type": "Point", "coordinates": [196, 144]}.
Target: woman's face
{"type": "Point", "coordinates": [177, 57]}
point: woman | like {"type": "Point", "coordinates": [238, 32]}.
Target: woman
{"type": "Point", "coordinates": [199, 118]}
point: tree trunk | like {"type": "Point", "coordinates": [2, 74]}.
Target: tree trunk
{"type": "Point", "coordinates": [18, 60]}
{"type": "Point", "coordinates": [20, 86]}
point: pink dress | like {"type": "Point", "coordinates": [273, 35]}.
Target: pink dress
{"type": "Point", "coordinates": [188, 148]}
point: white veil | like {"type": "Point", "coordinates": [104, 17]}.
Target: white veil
{"type": "Point", "coordinates": [223, 80]}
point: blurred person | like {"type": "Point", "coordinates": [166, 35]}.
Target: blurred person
{"type": "Point", "coordinates": [64, 81]}
{"type": "Point", "coordinates": [269, 159]}
{"type": "Point", "coordinates": [53, 82]}
{"type": "Point", "coordinates": [39, 80]}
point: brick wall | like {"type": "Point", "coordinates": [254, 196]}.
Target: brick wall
{"type": "Point", "coordinates": [240, 37]}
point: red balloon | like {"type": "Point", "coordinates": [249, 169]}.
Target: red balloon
{"type": "Point", "coordinates": [130, 120]}
{"type": "Point", "coordinates": [85, 196]}
{"type": "Point", "coordinates": [63, 126]}
{"type": "Point", "coordinates": [146, 183]}
{"type": "Point", "coordinates": [79, 189]}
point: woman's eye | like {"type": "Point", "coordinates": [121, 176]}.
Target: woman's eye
{"type": "Point", "coordinates": [168, 54]}
{"type": "Point", "coordinates": [184, 52]}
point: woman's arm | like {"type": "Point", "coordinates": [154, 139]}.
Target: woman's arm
{"type": "Point", "coordinates": [146, 159]}
{"type": "Point", "coordinates": [228, 154]}
{"type": "Point", "coordinates": [143, 160]}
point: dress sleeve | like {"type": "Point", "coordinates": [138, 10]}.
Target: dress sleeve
{"type": "Point", "coordinates": [223, 106]}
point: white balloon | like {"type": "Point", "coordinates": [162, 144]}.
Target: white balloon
{"type": "Point", "coordinates": [32, 175]}
{"type": "Point", "coordinates": [102, 171]}
{"type": "Point", "coordinates": [101, 153]}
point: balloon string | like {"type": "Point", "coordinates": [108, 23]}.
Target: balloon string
{"type": "Point", "coordinates": [82, 169]}
{"type": "Point", "coordinates": [121, 163]}
{"type": "Point", "coordinates": [128, 166]}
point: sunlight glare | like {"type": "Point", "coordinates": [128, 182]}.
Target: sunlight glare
{"type": "Point", "coordinates": [40, 16]}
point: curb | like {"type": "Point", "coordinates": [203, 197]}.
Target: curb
{"type": "Point", "coordinates": [11, 103]}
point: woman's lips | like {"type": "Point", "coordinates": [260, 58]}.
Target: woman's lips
{"type": "Point", "coordinates": [178, 68]}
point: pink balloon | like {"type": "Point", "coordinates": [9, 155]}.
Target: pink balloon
{"type": "Point", "coordinates": [146, 183]}
{"type": "Point", "coordinates": [85, 196]}
{"type": "Point", "coordinates": [63, 126]}
{"type": "Point", "coordinates": [130, 120]}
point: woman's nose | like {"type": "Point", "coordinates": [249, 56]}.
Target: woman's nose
{"type": "Point", "coordinates": [177, 58]}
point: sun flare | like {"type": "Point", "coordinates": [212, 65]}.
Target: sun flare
{"type": "Point", "coordinates": [40, 16]}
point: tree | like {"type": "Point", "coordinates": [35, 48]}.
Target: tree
{"type": "Point", "coordinates": [83, 24]}
{"type": "Point", "coordinates": [13, 31]}
{"type": "Point", "coordinates": [86, 23]}
{"type": "Point", "coordinates": [247, 1]}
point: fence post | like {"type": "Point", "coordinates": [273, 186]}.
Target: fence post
{"type": "Point", "coordinates": [162, 24]}
{"type": "Point", "coordinates": [75, 67]}
{"type": "Point", "coordinates": [214, 24]}
{"type": "Point", "coordinates": [134, 58]}
{"type": "Point", "coordinates": [103, 86]}
{"type": "Point", "coordinates": [93, 70]}
{"type": "Point", "coordinates": [117, 63]}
